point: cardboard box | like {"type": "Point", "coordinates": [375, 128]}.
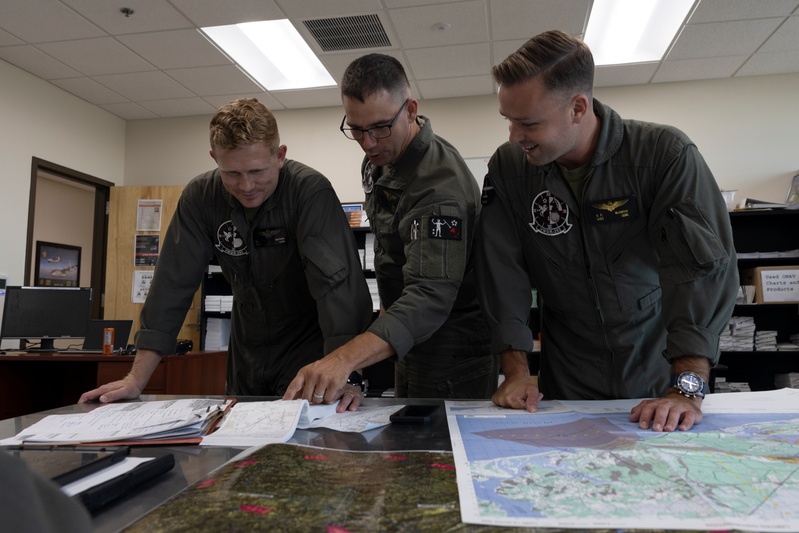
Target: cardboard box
{"type": "Point", "coordinates": [774, 284]}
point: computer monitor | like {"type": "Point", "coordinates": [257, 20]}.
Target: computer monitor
{"type": "Point", "coordinates": [46, 314]}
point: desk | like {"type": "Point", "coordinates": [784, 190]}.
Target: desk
{"type": "Point", "coordinates": [32, 382]}
{"type": "Point", "coordinates": [193, 462]}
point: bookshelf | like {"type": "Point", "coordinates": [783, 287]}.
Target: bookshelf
{"type": "Point", "coordinates": [762, 237]}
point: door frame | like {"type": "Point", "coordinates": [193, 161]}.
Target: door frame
{"type": "Point", "coordinates": [99, 240]}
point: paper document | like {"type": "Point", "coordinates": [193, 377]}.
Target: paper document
{"type": "Point", "coordinates": [126, 422]}
{"type": "Point", "coordinates": [270, 422]}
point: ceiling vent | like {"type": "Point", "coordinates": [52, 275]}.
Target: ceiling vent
{"type": "Point", "coordinates": [348, 33]}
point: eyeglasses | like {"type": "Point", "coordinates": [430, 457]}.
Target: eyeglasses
{"type": "Point", "coordinates": [377, 132]}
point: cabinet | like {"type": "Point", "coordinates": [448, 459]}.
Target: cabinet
{"type": "Point", "coordinates": [766, 232]}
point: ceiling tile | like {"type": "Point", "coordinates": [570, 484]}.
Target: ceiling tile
{"type": "Point", "coordinates": [90, 90]}
{"type": "Point", "coordinates": [522, 19]}
{"type": "Point", "coordinates": [144, 86]}
{"type": "Point", "coordinates": [337, 63]}
{"type": "Point", "coordinates": [36, 62]}
{"type": "Point", "coordinates": [148, 15]}
{"type": "Point", "coordinates": [216, 13]}
{"type": "Point", "coordinates": [786, 37]}
{"type": "Point", "coordinates": [175, 49]}
{"type": "Point", "coordinates": [764, 63]}
{"type": "Point", "coordinates": [310, 98]}
{"type": "Point", "coordinates": [314, 9]}
{"type": "Point", "coordinates": [179, 107]}
{"type": "Point", "coordinates": [502, 49]}
{"type": "Point", "coordinates": [461, 60]}
{"type": "Point", "coordinates": [721, 10]}
{"type": "Point", "coordinates": [6, 39]}
{"type": "Point", "coordinates": [418, 25]}
{"type": "Point", "coordinates": [452, 87]}
{"type": "Point", "coordinates": [610, 76]}
{"type": "Point", "coordinates": [94, 57]}
{"type": "Point", "coordinates": [40, 21]}
{"type": "Point", "coordinates": [698, 69]}
{"type": "Point", "coordinates": [205, 81]}
{"type": "Point", "coordinates": [265, 98]}
{"type": "Point", "coordinates": [129, 111]}
{"type": "Point", "coordinates": [722, 38]}
{"type": "Point", "coordinates": [410, 3]}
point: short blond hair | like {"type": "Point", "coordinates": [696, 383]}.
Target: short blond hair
{"type": "Point", "coordinates": [243, 122]}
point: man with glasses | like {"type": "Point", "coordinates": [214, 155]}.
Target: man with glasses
{"type": "Point", "coordinates": [422, 203]}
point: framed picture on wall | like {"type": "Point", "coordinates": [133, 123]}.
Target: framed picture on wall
{"type": "Point", "coordinates": [57, 265]}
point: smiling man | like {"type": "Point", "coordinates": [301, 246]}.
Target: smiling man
{"type": "Point", "coordinates": [284, 244]}
{"type": "Point", "coordinates": [422, 202]}
{"type": "Point", "coordinates": [620, 226]}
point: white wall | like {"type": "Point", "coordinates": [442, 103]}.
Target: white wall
{"type": "Point", "coordinates": [41, 120]}
{"type": "Point", "coordinates": [745, 127]}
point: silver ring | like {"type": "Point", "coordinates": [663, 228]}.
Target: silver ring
{"type": "Point", "coordinates": [319, 396]}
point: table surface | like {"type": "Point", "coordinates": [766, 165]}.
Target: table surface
{"type": "Point", "coordinates": [194, 462]}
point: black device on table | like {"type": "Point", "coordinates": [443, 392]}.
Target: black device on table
{"type": "Point", "coordinates": [414, 414]}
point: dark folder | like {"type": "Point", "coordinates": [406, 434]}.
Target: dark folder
{"type": "Point", "coordinates": [67, 464]}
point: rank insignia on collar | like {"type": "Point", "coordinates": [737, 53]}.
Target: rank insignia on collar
{"type": "Point", "coordinates": [444, 227]}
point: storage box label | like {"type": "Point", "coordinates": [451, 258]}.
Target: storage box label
{"type": "Point", "coordinates": [780, 285]}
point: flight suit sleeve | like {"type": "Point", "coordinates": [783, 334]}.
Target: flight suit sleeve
{"type": "Point", "coordinates": [698, 271]}
{"type": "Point", "coordinates": [501, 272]}
{"type": "Point", "coordinates": [437, 236]}
{"type": "Point", "coordinates": [333, 269]}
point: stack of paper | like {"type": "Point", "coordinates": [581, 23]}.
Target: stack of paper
{"type": "Point", "coordinates": [372, 284]}
{"type": "Point", "coordinates": [157, 422]}
{"type": "Point", "coordinates": [739, 335]}
{"type": "Point", "coordinates": [766, 341]}
{"type": "Point", "coordinates": [218, 303]}
{"type": "Point", "coordinates": [217, 333]}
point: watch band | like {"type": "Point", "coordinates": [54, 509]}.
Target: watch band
{"type": "Point", "coordinates": [356, 379]}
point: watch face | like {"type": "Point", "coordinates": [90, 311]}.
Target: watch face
{"type": "Point", "coordinates": [689, 383]}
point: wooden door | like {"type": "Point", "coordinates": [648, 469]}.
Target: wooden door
{"type": "Point", "coordinates": [120, 267]}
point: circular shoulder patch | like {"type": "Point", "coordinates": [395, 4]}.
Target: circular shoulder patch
{"type": "Point", "coordinates": [228, 240]}
{"type": "Point", "coordinates": [550, 215]}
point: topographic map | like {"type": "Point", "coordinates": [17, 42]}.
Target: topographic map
{"type": "Point", "coordinates": [573, 465]}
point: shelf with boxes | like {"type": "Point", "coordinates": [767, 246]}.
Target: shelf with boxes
{"type": "Point", "coordinates": [760, 342]}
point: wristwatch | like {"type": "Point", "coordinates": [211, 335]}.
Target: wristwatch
{"type": "Point", "coordinates": [356, 379]}
{"type": "Point", "coordinates": [689, 384]}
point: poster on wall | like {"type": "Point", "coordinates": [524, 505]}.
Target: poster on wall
{"type": "Point", "coordinates": [148, 215]}
{"type": "Point", "coordinates": [145, 249]}
{"type": "Point", "coordinates": [57, 265]}
{"type": "Point", "coordinates": [142, 279]}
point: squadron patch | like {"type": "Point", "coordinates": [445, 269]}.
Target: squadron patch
{"type": "Point", "coordinates": [550, 215]}
{"type": "Point", "coordinates": [444, 227]}
{"type": "Point", "coordinates": [228, 240]}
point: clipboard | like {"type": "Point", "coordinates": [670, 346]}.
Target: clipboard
{"type": "Point", "coordinates": [67, 464]}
